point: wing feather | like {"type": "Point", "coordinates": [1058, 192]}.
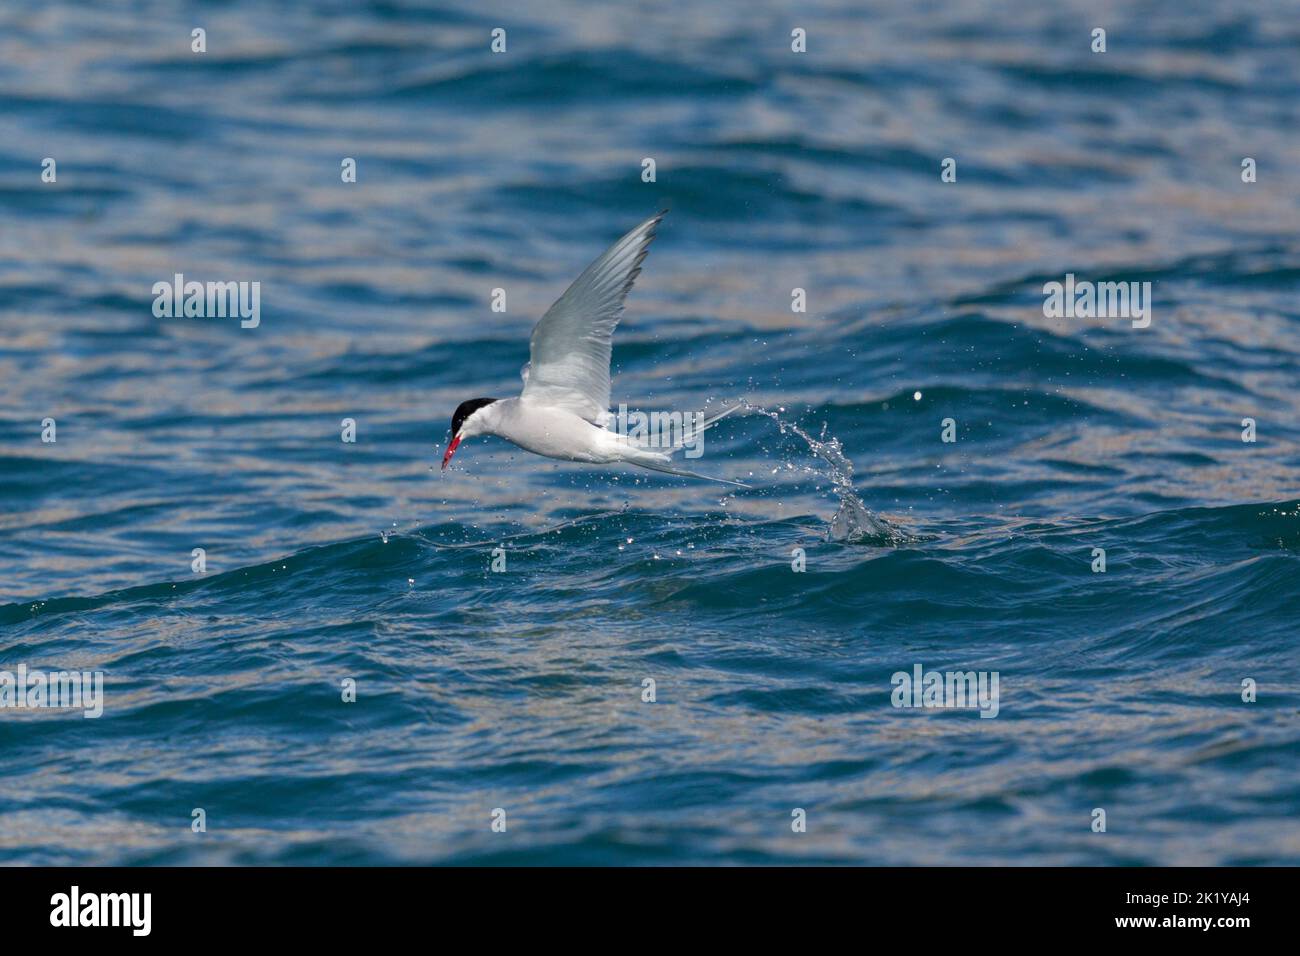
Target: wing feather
{"type": "Point", "coordinates": [570, 348]}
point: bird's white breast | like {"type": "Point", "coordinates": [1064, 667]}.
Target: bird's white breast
{"type": "Point", "coordinates": [553, 432]}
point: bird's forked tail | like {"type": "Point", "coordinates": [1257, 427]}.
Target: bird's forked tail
{"type": "Point", "coordinates": [663, 462]}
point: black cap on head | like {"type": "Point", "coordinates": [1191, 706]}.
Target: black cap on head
{"type": "Point", "coordinates": [464, 410]}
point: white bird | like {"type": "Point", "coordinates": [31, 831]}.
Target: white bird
{"type": "Point", "coordinates": [563, 410]}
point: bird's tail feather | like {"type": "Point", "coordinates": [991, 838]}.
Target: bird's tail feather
{"type": "Point", "coordinates": [683, 473]}
{"type": "Point", "coordinates": [660, 460]}
{"type": "Point", "coordinates": [707, 424]}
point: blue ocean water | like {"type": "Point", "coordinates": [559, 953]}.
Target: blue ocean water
{"type": "Point", "coordinates": [522, 691]}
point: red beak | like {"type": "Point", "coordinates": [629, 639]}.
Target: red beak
{"type": "Point", "coordinates": [451, 450]}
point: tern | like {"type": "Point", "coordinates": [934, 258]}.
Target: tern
{"type": "Point", "coordinates": [563, 410]}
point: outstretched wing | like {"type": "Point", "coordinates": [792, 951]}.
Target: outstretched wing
{"type": "Point", "coordinates": [570, 347]}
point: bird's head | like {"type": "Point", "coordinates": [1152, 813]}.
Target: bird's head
{"type": "Point", "coordinates": [467, 421]}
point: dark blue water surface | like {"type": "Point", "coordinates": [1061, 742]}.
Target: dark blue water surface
{"type": "Point", "coordinates": [522, 690]}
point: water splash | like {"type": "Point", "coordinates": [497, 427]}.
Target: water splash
{"type": "Point", "coordinates": [853, 522]}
